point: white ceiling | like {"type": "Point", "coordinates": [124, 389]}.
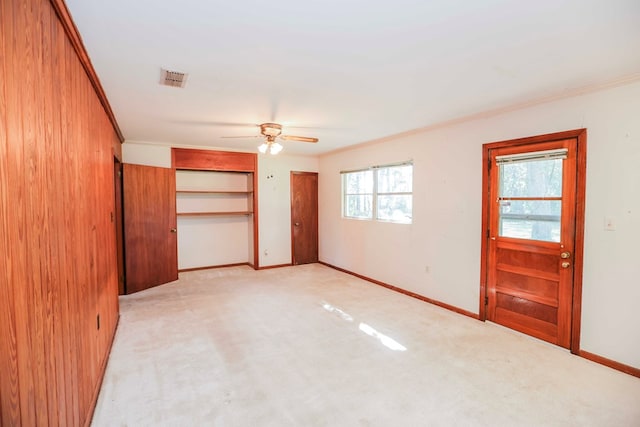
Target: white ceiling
{"type": "Point", "coordinates": [344, 71]}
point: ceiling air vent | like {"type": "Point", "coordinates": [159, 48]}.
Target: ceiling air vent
{"type": "Point", "coordinates": [173, 78]}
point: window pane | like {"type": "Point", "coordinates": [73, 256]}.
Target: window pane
{"type": "Point", "coordinates": [395, 208]}
{"type": "Point", "coordinates": [358, 182]}
{"type": "Point", "coordinates": [531, 219]}
{"type": "Point", "coordinates": [540, 178]}
{"type": "Point", "coordinates": [395, 179]}
{"type": "Point", "coordinates": [358, 206]}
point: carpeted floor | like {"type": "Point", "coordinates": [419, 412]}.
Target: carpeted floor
{"type": "Point", "coordinates": [310, 346]}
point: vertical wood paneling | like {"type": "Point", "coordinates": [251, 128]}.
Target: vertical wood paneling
{"type": "Point", "coordinates": [21, 52]}
{"type": "Point", "coordinates": [70, 177]}
{"type": "Point", "coordinates": [9, 387]}
{"type": "Point", "coordinates": [60, 337]}
{"type": "Point", "coordinates": [59, 271]}
{"type": "Point", "coordinates": [51, 264]}
{"type": "Point", "coordinates": [63, 334]}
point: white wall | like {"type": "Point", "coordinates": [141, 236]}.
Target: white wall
{"type": "Point", "coordinates": [146, 154]}
{"type": "Point", "coordinates": [274, 198]}
{"type": "Point", "coordinates": [274, 202]}
{"type": "Point", "coordinates": [438, 256]}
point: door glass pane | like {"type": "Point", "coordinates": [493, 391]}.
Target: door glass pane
{"type": "Point", "coordinates": [531, 219]}
{"type": "Point", "coordinates": [540, 178]}
{"type": "Point", "coordinates": [534, 218]}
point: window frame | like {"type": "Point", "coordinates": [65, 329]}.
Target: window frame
{"type": "Point", "coordinates": [374, 216]}
{"type": "Point", "coordinates": [345, 194]}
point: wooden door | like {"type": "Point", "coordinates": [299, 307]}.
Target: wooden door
{"type": "Point", "coordinates": [304, 217]}
{"type": "Point", "coordinates": [533, 245]}
{"type": "Point", "coordinates": [151, 256]}
{"type": "Point", "coordinates": [117, 181]}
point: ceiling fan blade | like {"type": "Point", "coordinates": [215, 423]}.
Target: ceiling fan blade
{"type": "Point", "coordinates": [233, 124]}
{"type": "Point", "coordinates": [274, 107]}
{"type": "Point", "coordinates": [211, 123]}
{"type": "Point", "coordinates": [298, 138]}
{"type": "Point", "coordinates": [241, 136]}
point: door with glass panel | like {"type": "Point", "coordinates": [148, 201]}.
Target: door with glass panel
{"type": "Point", "coordinates": [531, 238]}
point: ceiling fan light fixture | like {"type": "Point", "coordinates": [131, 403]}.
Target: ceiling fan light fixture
{"type": "Point", "coordinates": [276, 148]}
{"type": "Point", "coordinates": [271, 132]}
{"type": "Point", "coordinates": [270, 147]}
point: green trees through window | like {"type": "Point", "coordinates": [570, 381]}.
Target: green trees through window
{"type": "Point", "coordinates": [384, 193]}
{"type": "Point", "coordinates": [531, 199]}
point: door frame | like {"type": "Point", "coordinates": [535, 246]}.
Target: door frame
{"type": "Point", "coordinates": [119, 225]}
{"type": "Point", "coordinates": [291, 225]}
{"type": "Point", "coordinates": [581, 162]}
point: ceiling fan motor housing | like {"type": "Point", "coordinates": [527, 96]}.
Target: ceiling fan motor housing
{"type": "Point", "coordinates": [271, 129]}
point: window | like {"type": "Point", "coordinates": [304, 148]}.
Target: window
{"type": "Point", "coordinates": [358, 194]}
{"type": "Point", "coordinates": [530, 195]}
{"type": "Point", "coordinates": [381, 192]}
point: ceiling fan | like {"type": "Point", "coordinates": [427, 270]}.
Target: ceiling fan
{"type": "Point", "coordinates": [272, 131]}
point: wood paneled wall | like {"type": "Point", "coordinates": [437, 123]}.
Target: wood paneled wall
{"type": "Point", "coordinates": [57, 239]}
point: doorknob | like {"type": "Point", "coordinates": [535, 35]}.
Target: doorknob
{"type": "Point", "coordinates": [297, 224]}
{"type": "Point", "coordinates": [565, 255]}
{"type": "Point", "coordinates": [173, 230]}
{"type": "Point", "coordinates": [565, 264]}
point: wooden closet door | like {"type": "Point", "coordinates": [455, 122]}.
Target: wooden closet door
{"type": "Point", "coordinates": [304, 217]}
{"type": "Point", "coordinates": [151, 255]}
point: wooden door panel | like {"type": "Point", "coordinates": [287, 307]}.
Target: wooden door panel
{"type": "Point", "coordinates": [527, 275]}
{"type": "Point", "coordinates": [537, 310]}
{"type": "Point", "coordinates": [527, 286]}
{"type": "Point", "coordinates": [304, 217]}
{"type": "Point", "coordinates": [527, 325]}
{"type": "Point", "coordinates": [547, 263]}
{"type": "Point", "coordinates": [149, 222]}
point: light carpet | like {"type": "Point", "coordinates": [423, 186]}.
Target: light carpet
{"type": "Point", "coordinates": [311, 346]}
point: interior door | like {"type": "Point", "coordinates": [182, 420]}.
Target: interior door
{"type": "Point", "coordinates": [117, 181]}
{"type": "Point", "coordinates": [304, 217]}
{"type": "Point", "coordinates": [531, 238]}
{"type": "Point", "coordinates": [151, 250]}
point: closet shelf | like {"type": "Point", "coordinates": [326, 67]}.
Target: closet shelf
{"type": "Point", "coordinates": [241, 213]}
